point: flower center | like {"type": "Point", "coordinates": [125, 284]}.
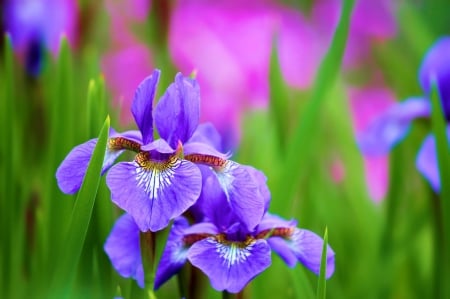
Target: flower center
{"type": "Point", "coordinates": [144, 160]}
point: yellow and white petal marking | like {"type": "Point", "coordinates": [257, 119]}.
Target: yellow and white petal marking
{"type": "Point", "coordinates": [154, 175]}
{"type": "Point", "coordinates": [232, 252]}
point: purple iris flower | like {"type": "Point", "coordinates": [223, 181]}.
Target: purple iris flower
{"type": "Point", "coordinates": [164, 179]}
{"type": "Point", "coordinates": [231, 257]}
{"type": "Point", "coordinates": [391, 127]}
{"type": "Point", "coordinates": [228, 252]}
{"type": "Point", "coordinates": [35, 25]}
{"type": "Point", "coordinates": [222, 242]}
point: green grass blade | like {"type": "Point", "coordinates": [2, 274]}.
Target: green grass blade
{"type": "Point", "coordinates": [298, 150]}
{"type": "Point", "coordinates": [72, 246]}
{"type": "Point", "coordinates": [279, 105]}
{"type": "Point", "coordinates": [6, 191]}
{"type": "Point", "coordinates": [321, 286]}
{"type": "Point", "coordinates": [443, 157]}
{"type": "Point", "coordinates": [301, 283]}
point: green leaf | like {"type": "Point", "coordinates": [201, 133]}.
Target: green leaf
{"type": "Point", "coordinates": [443, 157]}
{"type": "Point", "coordinates": [279, 105]}
{"type": "Point", "coordinates": [301, 284]}
{"type": "Point", "coordinates": [72, 245]}
{"type": "Point", "coordinates": [321, 285]}
{"type": "Point", "coordinates": [299, 147]}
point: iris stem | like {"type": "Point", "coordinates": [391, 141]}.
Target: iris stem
{"type": "Point", "coordinates": [148, 246]}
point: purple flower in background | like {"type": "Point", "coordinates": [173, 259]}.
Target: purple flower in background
{"type": "Point", "coordinates": [35, 25]}
{"type": "Point", "coordinates": [366, 105]}
{"type": "Point", "coordinates": [214, 40]}
{"type": "Point", "coordinates": [391, 127]}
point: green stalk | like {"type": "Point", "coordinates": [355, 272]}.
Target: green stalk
{"type": "Point", "coordinates": [299, 147]}
{"type": "Point", "coordinates": [72, 245]}
{"type": "Point", "coordinates": [443, 157]}
{"type": "Point", "coordinates": [321, 285]}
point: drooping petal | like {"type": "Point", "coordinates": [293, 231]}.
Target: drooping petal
{"type": "Point", "coordinates": [157, 194]}
{"type": "Point", "coordinates": [70, 173]}
{"type": "Point", "coordinates": [142, 105]}
{"type": "Point", "coordinates": [122, 248]}
{"type": "Point", "coordinates": [230, 266]}
{"type": "Point", "coordinates": [174, 255]}
{"type": "Point", "coordinates": [203, 149]}
{"type": "Point", "coordinates": [427, 162]}
{"type": "Point", "coordinates": [436, 64]}
{"type": "Point", "coordinates": [270, 221]}
{"type": "Point", "coordinates": [243, 193]}
{"type": "Point", "coordinates": [307, 247]}
{"type": "Point", "coordinates": [392, 126]}
{"type": "Point", "coordinates": [177, 112]}
{"type": "Point", "coordinates": [279, 245]}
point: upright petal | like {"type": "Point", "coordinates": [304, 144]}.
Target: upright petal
{"type": "Point", "coordinates": [437, 64]}
{"type": "Point", "coordinates": [177, 112]}
{"type": "Point", "coordinates": [427, 162]}
{"type": "Point", "coordinates": [156, 194]}
{"type": "Point", "coordinates": [207, 133]}
{"type": "Point", "coordinates": [122, 248]}
{"type": "Point", "coordinates": [174, 255]}
{"type": "Point", "coordinates": [392, 126]}
{"type": "Point", "coordinates": [142, 105]}
{"type": "Point", "coordinates": [230, 266]}
{"type": "Point", "coordinates": [243, 193]}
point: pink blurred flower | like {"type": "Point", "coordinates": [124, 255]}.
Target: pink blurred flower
{"type": "Point", "coordinates": [367, 104]}
{"type": "Point", "coordinates": [372, 21]}
{"type": "Point", "coordinates": [229, 43]}
{"type": "Point", "coordinates": [128, 60]}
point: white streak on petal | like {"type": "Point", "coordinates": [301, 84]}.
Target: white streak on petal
{"type": "Point", "coordinates": [154, 180]}
{"type": "Point", "coordinates": [232, 253]}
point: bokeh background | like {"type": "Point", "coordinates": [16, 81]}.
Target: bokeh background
{"type": "Point", "coordinates": [279, 105]}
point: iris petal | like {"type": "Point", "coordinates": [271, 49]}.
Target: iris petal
{"type": "Point", "coordinates": [392, 126]}
{"type": "Point", "coordinates": [154, 196]}
{"type": "Point", "coordinates": [142, 105]}
{"type": "Point", "coordinates": [427, 162]}
{"type": "Point", "coordinates": [70, 173]}
{"type": "Point", "coordinates": [437, 64]}
{"type": "Point", "coordinates": [174, 255]}
{"type": "Point", "coordinates": [307, 247]}
{"type": "Point", "coordinates": [178, 111]}
{"type": "Point", "coordinates": [122, 248]}
{"type": "Point", "coordinates": [230, 266]}
{"type": "Point", "coordinates": [243, 193]}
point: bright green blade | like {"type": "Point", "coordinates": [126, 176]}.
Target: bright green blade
{"type": "Point", "coordinates": [321, 286]}
{"type": "Point", "coordinates": [72, 246]}
{"type": "Point", "coordinates": [299, 147]}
